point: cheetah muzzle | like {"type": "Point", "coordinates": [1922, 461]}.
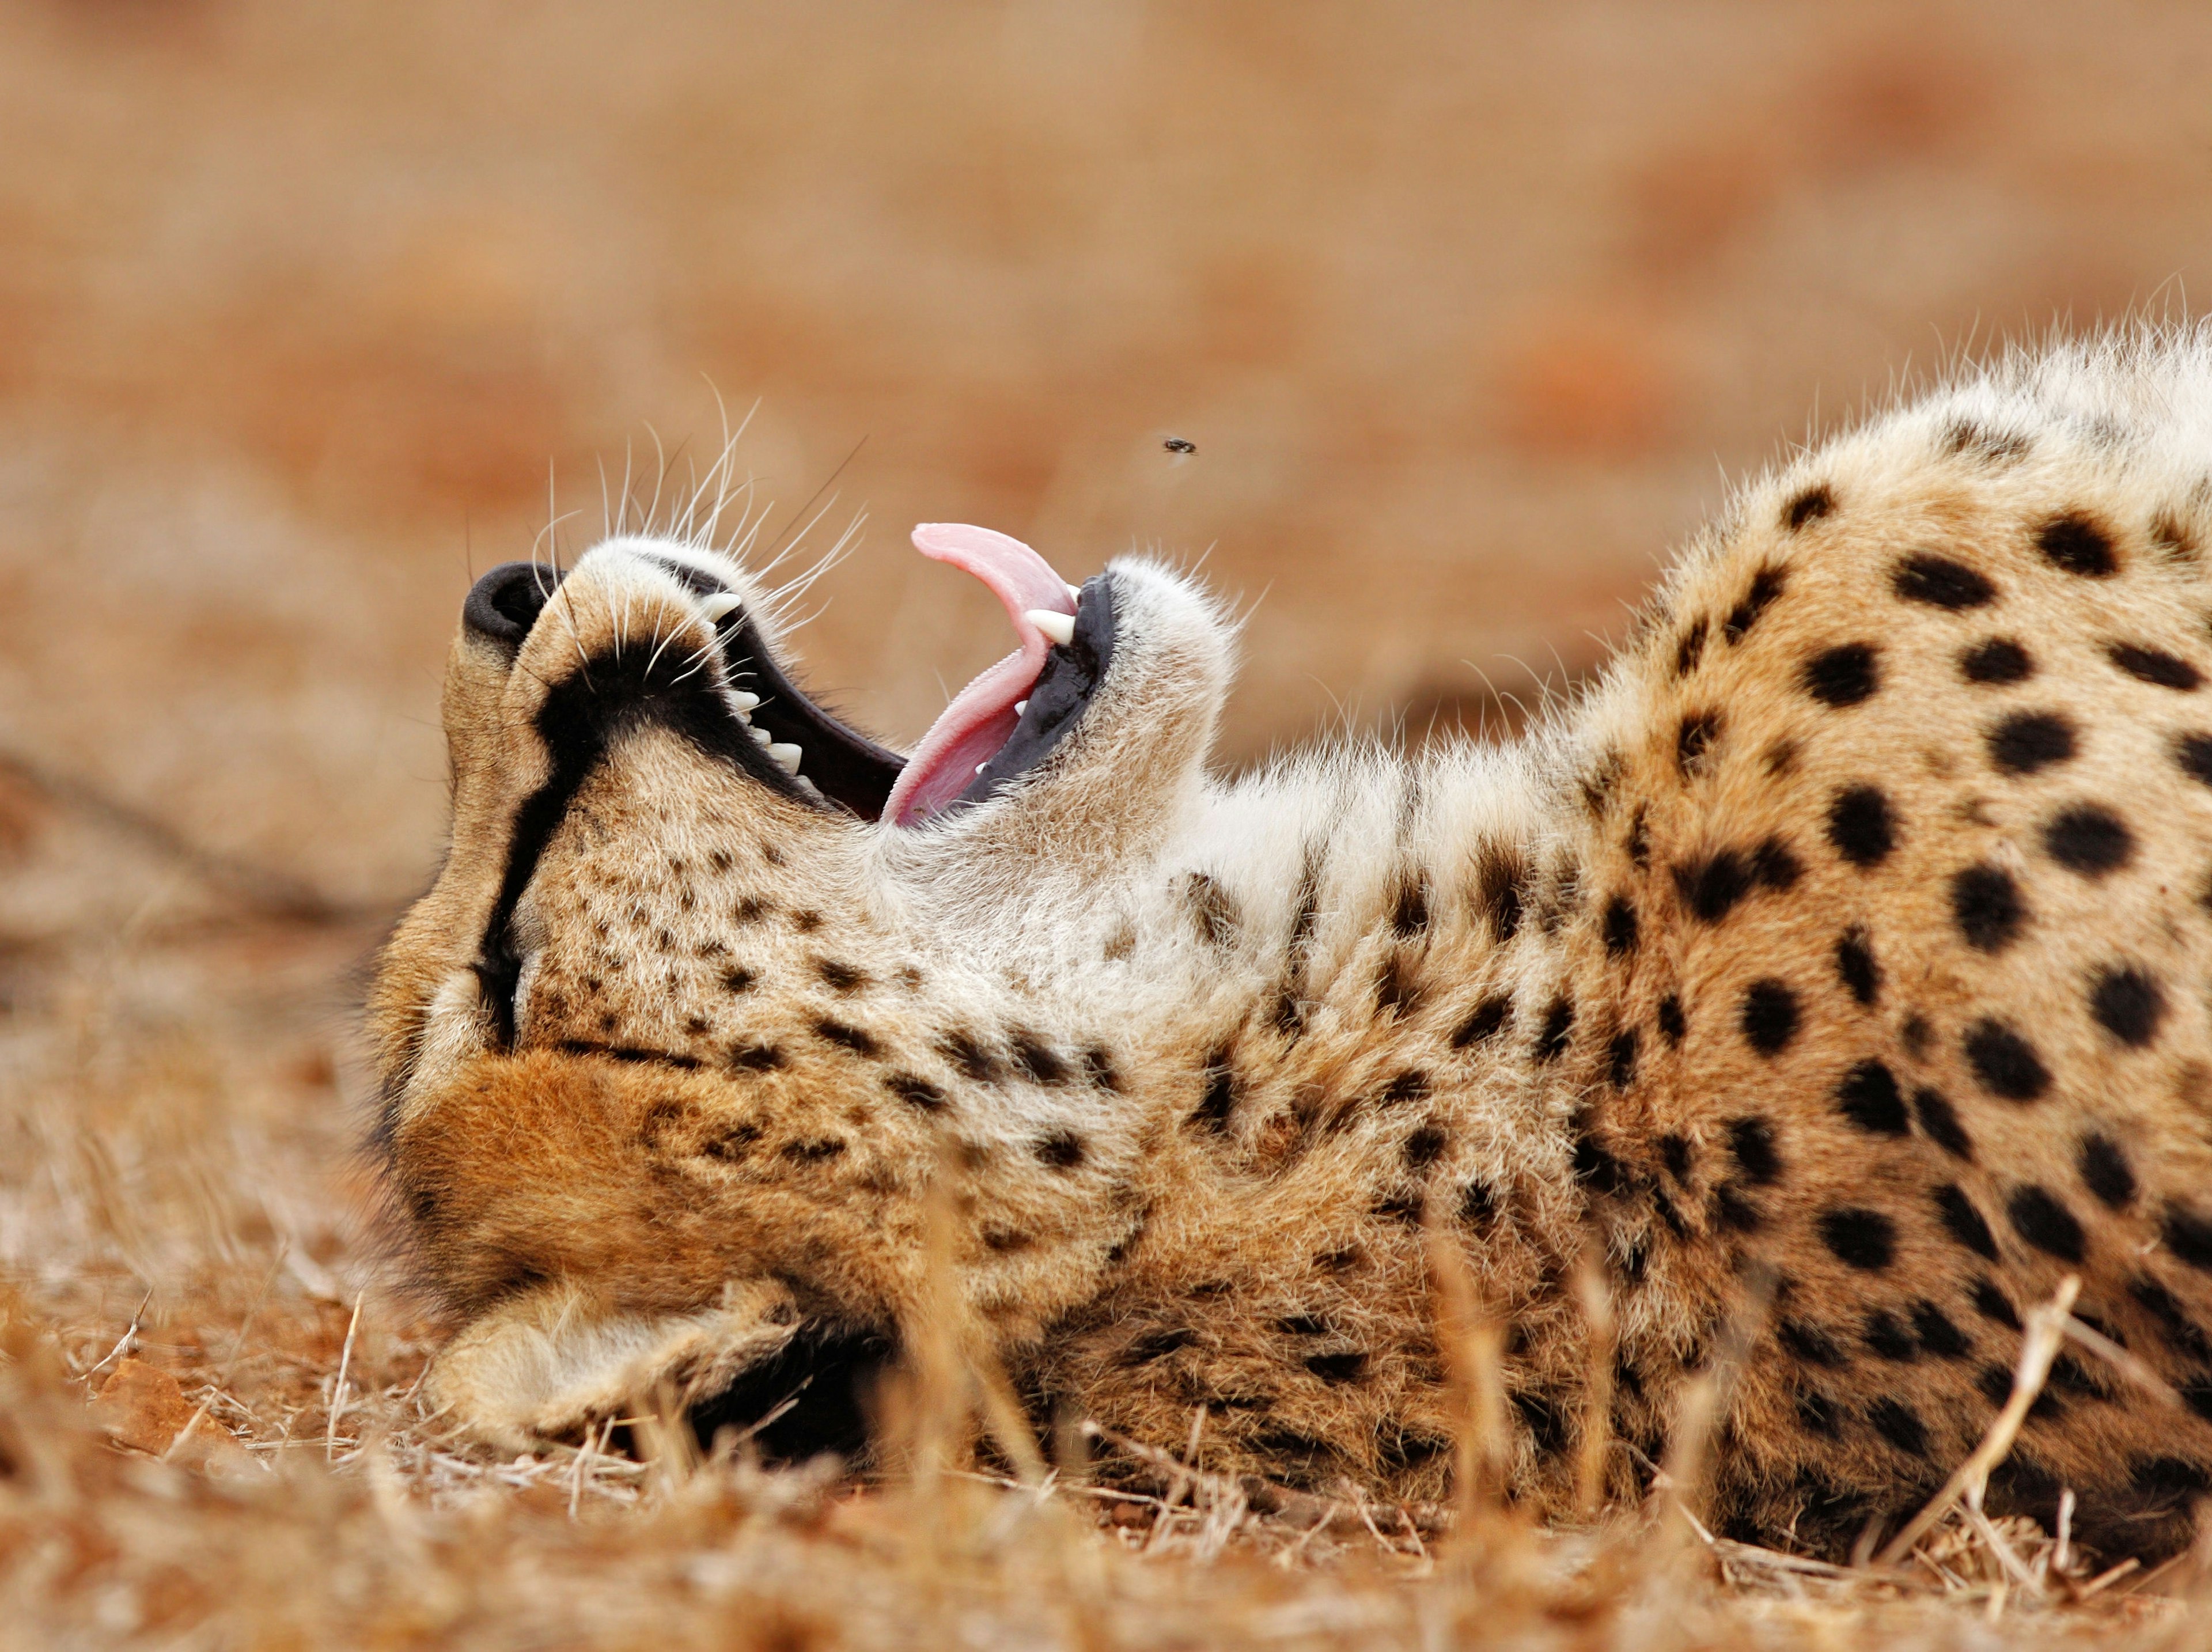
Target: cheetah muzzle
{"type": "Point", "coordinates": [1833, 976]}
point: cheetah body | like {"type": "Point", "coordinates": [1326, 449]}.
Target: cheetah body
{"type": "Point", "coordinates": [1821, 989]}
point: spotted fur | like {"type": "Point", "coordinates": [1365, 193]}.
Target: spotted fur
{"type": "Point", "coordinates": [1836, 968]}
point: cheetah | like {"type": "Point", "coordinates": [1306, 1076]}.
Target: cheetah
{"type": "Point", "coordinates": [1828, 981]}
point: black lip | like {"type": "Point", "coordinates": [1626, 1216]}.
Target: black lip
{"type": "Point", "coordinates": [1062, 694]}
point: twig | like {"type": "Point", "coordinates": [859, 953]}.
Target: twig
{"type": "Point", "coordinates": [338, 1393]}
{"type": "Point", "coordinates": [2046, 1332]}
{"type": "Point", "coordinates": [123, 1341]}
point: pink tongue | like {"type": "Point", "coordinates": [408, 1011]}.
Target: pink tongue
{"type": "Point", "coordinates": [981, 717]}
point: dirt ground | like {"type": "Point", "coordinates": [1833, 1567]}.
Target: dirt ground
{"type": "Point", "coordinates": [308, 313]}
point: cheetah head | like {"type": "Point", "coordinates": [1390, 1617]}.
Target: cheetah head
{"type": "Point", "coordinates": [661, 1052]}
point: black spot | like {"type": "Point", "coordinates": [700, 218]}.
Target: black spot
{"type": "Point", "coordinates": [840, 977]}
{"type": "Point", "coordinates": [972, 1056]}
{"type": "Point", "coordinates": [1501, 884]}
{"type": "Point", "coordinates": [1672, 1026]}
{"type": "Point", "coordinates": [1751, 1144]}
{"type": "Point", "coordinates": [1004, 1240]}
{"type": "Point", "coordinates": [1810, 1343]}
{"type": "Point", "coordinates": [1213, 910]}
{"type": "Point", "coordinates": [1856, 966]}
{"type": "Point", "coordinates": [915, 1091]}
{"type": "Point", "coordinates": [1993, 1305]}
{"type": "Point", "coordinates": [2168, 1482]}
{"type": "Point", "coordinates": [1899, 1425]}
{"type": "Point", "coordinates": [1963, 1222]}
{"type": "Point", "coordinates": [1733, 1210]}
{"type": "Point", "coordinates": [1712, 887]}
{"type": "Point", "coordinates": [2006, 1063]}
{"type": "Point", "coordinates": [1998, 660]}
{"type": "Point", "coordinates": [1343, 1367]}
{"type": "Point", "coordinates": [1303, 1325]}
{"type": "Point", "coordinates": [1772, 865]}
{"type": "Point", "coordinates": [806, 922]}
{"type": "Point", "coordinates": [1558, 1026]}
{"type": "Point", "coordinates": [2106, 1171]}
{"type": "Point", "coordinates": [1937, 1333]}
{"type": "Point", "coordinates": [1941, 1121]}
{"type": "Point", "coordinates": [2194, 753]}
{"type": "Point", "coordinates": [1619, 926]}
{"type": "Point", "coordinates": [2039, 1218]}
{"type": "Point", "coordinates": [1409, 908]}
{"type": "Point", "coordinates": [1398, 989]}
{"type": "Point", "coordinates": [2155, 666]}
{"type": "Point", "coordinates": [1638, 841]}
{"type": "Point", "coordinates": [1098, 1069]}
{"type": "Point", "coordinates": [1859, 1238]}
{"type": "Point", "coordinates": [1765, 586]}
{"type": "Point", "coordinates": [2077, 546]}
{"type": "Point", "coordinates": [1409, 1208]}
{"type": "Point", "coordinates": [1478, 1204]}
{"type": "Point", "coordinates": [1156, 1344]}
{"type": "Point", "coordinates": [851, 1038]}
{"type": "Point", "coordinates": [1545, 1424]}
{"type": "Point", "coordinates": [1843, 676]}
{"type": "Point", "coordinates": [1620, 1058]}
{"type": "Point", "coordinates": [1666, 1212]}
{"type": "Point", "coordinates": [1887, 1336]}
{"type": "Point", "coordinates": [1861, 826]}
{"type": "Point", "coordinates": [1963, 437]}
{"type": "Point", "coordinates": [1037, 1060]}
{"type": "Point", "coordinates": [1819, 1414]}
{"type": "Point", "coordinates": [1593, 1166]}
{"type": "Point", "coordinates": [1769, 1018]}
{"type": "Point", "coordinates": [1424, 1147]}
{"type": "Point", "coordinates": [1408, 1086]}
{"type": "Point", "coordinates": [1986, 905]}
{"type": "Point", "coordinates": [756, 1057]}
{"type": "Point", "coordinates": [2029, 740]}
{"type": "Point", "coordinates": [1219, 1101]}
{"type": "Point", "coordinates": [2088, 839]}
{"type": "Point", "coordinates": [1483, 1022]}
{"type": "Point", "coordinates": [1063, 1150]}
{"type": "Point", "coordinates": [2128, 1003]}
{"type": "Point", "coordinates": [1995, 1383]}
{"type": "Point", "coordinates": [1815, 502]}
{"type": "Point", "coordinates": [1676, 1153]}
{"type": "Point", "coordinates": [812, 1153]}
{"type": "Point", "coordinates": [1868, 1098]}
{"type": "Point", "coordinates": [1693, 645]}
{"type": "Point", "coordinates": [1940, 582]}
{"type": "Point", "coordinates": [738, 981]}
{"type": "Point", "coordinates": [1917, 1035]}
{"type": "Point", "coordinates": [2182, 1332]}
{"type": "Point", "coordinates": [2188, 1236]}
{"type": "Point", "coordinates": [1694, 739]}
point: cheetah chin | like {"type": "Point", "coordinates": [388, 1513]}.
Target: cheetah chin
{"type": "Point", "coordinates": [1803, 1004]}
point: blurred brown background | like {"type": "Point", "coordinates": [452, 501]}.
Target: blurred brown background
{"type": "Point", "coordinates": [1468, 309]}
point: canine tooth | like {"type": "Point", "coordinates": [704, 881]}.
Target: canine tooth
{"type": "Point", "coordinates": [787, 756]}
{"type": "Point", "coordinates": [980, 768]}
{"type": "Point", "coordinates": [1060, 627]}
{"type": "Point", "coordinates": [743, 701]}
{"type": "Point", "coordinates": [1021, 707]}
{"type": "Point", "coordinates": [722, 602]}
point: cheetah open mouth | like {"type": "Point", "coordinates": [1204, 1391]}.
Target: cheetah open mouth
{"type": "Point", "coordinates": [998, 728]}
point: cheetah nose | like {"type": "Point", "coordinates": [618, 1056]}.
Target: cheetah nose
{"type": "Point", "coordinates": [505, 603]}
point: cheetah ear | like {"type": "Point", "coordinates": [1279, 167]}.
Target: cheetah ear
{"type": "Point", "coordinates": [551, 1364]}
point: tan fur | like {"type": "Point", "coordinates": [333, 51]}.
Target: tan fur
{"type": "Point", "coordinates": [1198, 1056]}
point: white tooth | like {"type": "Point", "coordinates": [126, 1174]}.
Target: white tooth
{"type": "Point", "coordinates": [744, 701]}
{"type": "Point", "coordinates": [1060, 627]}
{"type": "Point", "coordinates": [722, 602]}
{"type": "Point", "coordinates": [1075, 593]}
{"type": "Point", "coordinates": [760, 735]}
{"type": "Point", "coordinates": [980, 768]}
{"type": "Point", "coordinates": [788, 755]}
{"type": "Point", "coordinates": [1021, 707]}
{"type": "Point", "coordinates": [807, 786]}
